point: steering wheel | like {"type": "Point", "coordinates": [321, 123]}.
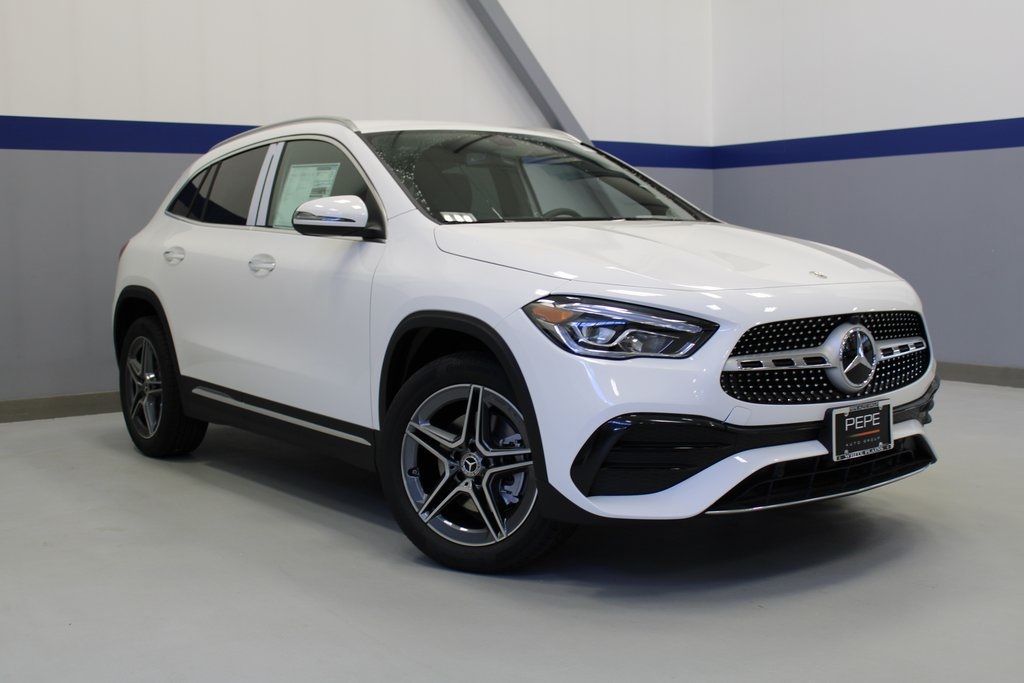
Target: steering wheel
{"type": "Point", "coordinates": [555, 213]}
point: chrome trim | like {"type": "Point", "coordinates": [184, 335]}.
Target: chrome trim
{"type": "Point", "coordinates": [865, 356]}
{"type": "Point", "coordinates": [797, 357]}
{"type": "Point", "coordinates": [224, 398]}
{"type": "Point", "coordinates": [893, 347]}
{"type": "Point", "coordinates": [814, 500]}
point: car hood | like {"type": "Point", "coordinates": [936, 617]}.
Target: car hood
{"type": "Point", "coordinates": [677, 255]}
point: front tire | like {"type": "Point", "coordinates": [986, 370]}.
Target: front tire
{"type": "Point", "coordinates": [151, 397]}
{"type": "Point", "coordinates": [456, 466]}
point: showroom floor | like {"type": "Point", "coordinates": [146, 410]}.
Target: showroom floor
{"type": "Point", "coordinates": [254, 561]}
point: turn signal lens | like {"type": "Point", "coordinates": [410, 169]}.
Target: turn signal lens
{"type": "Point", "coordinates": [548, 312]}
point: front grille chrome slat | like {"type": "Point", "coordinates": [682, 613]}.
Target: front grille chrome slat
{"type": "Point", "coordinates": [786, 362]}
{"type": "Point", "coordinates": [817, 357]}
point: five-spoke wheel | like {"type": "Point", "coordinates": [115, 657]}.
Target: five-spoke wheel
{"type": "Point", "coordinates": [467, 465]}
{"type": "Point", "coordinates": [145, 393]}
{"type": "Point", "coordinates": [150, 397]}
{"type": "Point", "coordinates": [459, 466]}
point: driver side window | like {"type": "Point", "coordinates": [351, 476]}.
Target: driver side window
{"type": "Point", "coordinates": [310, 169]}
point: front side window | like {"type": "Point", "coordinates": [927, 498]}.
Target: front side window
{"type": "Point", "coordinates": [486, 177]}
{"type": "Point", "coordinates": [310, 169]}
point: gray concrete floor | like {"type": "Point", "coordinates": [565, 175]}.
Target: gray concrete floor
{"type": "Point", "coordinates": [256, 561]}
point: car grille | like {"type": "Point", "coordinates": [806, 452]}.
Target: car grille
{"type": "Point", "coordinates": [807, 479]}
{"type": "Point", "coordinates": [811, 385]}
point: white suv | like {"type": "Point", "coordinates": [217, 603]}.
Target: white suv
{"type": "Point", "coordinates": [516, 331]}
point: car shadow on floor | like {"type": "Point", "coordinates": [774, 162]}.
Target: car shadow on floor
{"type": "Point", "coordinates": [850, 535]}
{"type": "Point", "coordinates": [800, 548]}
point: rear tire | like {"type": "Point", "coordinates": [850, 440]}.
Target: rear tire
{"type": "Point", "coordinates": [464, 494]}
{"type": "Point", "coordinates": [151, 395]}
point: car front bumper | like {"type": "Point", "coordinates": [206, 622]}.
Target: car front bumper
{"type": "Point", "coordinates": [576, 398]}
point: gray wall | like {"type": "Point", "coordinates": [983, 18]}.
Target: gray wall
{"type": "Point", "coordinates": [950, 223]}
{"type": "Point", "coordinates": [65, 215]}
{"type": "Point", "coordinates": [694, 184]}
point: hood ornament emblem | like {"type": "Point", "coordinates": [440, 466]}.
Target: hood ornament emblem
{"type": "Point", "coordinates": [818, 273]}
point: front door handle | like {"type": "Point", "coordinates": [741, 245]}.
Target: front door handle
{"type": "Point", "coordinates": [174, 255]}
{"type": "Point", "coordinates": [262, 264]}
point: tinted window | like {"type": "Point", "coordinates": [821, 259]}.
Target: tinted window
{"type": "Point", "coordinates": [234, 180]}
{"type": "Point", "coordinates": [483, 176]}
{"type": "Point", "coordinates": [183, 203]}
{"type": "Point", "coordinates": [310, 169]}
{"type": "Point", "coordinates": [199, 205]}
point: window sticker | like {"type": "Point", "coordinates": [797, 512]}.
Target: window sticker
{"type": "Point", "coordinates": [303, 182]}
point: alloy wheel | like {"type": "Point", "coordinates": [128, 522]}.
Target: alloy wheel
{"type": "Point", "coordinates": [467, 465]}
{"type": "Point", "coordinates": [145, 390]}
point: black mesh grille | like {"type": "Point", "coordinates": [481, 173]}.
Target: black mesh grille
{"type": "Point", "coordinates": [811, 385]}
{"type": "Point", "coordinates": [809, 478]}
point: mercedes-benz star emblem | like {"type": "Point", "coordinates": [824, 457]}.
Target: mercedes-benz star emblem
{"type": "Point", "coordinates": [818, 273]}
{"type": "Point", "coordinates": [471, 464]}
{"type": "Point", "coordinates": [855, 357]}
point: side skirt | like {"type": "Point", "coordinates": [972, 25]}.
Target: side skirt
{"type": "Point", "coordinates": [352, 443]}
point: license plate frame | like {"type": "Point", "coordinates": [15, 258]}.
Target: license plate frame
{"type": "Point", "coordinates": [860, 430]}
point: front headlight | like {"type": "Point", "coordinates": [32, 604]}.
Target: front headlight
{"type": "Point", "coordinates": [608, 329]}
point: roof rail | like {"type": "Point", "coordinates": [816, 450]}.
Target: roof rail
{"type": "Point", "coordinates": [307, 119]}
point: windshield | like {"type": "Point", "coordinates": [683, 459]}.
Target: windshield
{"type": "Point", "coordinates": [486, 177]}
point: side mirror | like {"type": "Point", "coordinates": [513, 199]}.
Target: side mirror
{"type": "Point", "coordinates": [345, 215]}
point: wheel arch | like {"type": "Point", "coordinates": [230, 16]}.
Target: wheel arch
{"type": "Point", "coordinates": [136, 302]}
{"type": "Point", "coordinates": [427, 335]}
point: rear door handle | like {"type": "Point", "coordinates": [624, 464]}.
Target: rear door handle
{"type": "Point", "coordinates": [262, 264]}
{"type": "Point", "coordinates": [174, 255]}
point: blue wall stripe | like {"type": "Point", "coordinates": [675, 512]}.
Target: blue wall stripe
{"type": "Point", "coordinates": [950, 137]}
{"type": "Point", "coordinates": [102, 135]}
{"type": "Point", "coordinates": [662, 156]}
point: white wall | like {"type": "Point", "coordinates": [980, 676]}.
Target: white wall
{"type": "Point", "coordinates": [637, 71]}
{"type": "Point", "coordinates": [252, 62]}
{"type": "Point", "coordinates": [799, 68]}
{"type": "Point", "coordinates": [640, 73]}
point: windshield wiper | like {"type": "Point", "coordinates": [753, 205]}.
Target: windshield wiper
{"type": "Point", "coordinates": [650, 218]}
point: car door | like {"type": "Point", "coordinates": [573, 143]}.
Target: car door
{"type": "Point", "coordinates": [299, 305]}
{"type": "Point", "coordinates": [204, 258]}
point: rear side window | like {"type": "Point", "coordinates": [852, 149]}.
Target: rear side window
{"type": "Point", "coordinates": [222, 192]}
{"type": "Point", "coordinates": [184, 204]}
{"type": "Point", "coordinates": [310, 169]}
{"type": "Point", "coordinates": [234, 181]}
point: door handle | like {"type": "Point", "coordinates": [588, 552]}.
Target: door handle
{"type": "Point", "coordinates": [262, 264]}
{"type": "Point", "coordinates": [174, 255]}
